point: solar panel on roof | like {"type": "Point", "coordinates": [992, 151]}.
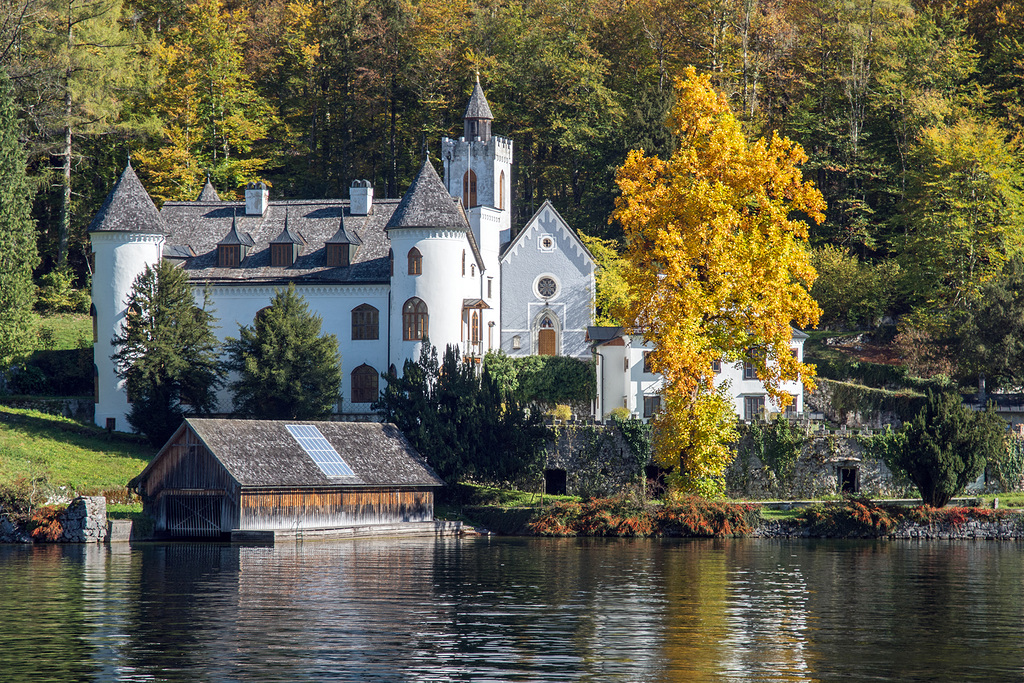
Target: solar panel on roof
{"type": "Point", "coordinates": [320, 449]}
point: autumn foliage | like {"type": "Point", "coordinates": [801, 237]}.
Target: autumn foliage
{"type": "Point", "coordinates": [718, 269]}
{"type": "Point", "coordinates": [687, 516]}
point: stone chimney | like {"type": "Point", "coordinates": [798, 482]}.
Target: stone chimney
{"type": "Point", "coordinates": [257, 199]}
{"type": "Point", "coordinates": [360, 198]}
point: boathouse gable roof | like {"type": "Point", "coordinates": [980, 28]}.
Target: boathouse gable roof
{"type": "Point", "coordinates": [264, 454]}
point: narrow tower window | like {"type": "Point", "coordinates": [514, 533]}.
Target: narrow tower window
{"type": "Point", "coordinates": [469, 189]}
{"type": "Point", "coordinates": [501, 190]}
{"type": "Point", "coordinates": [415, 262]}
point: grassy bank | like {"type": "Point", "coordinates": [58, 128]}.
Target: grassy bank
{"type": "Point", "coordinates": [51, 455]}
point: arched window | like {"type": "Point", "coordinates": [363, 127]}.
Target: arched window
{"type": "Point", "coordinates": [501, 190]}
{"type": "Point", "coordinates": [469, 189]}
{"type": "Point", "coordinates": [259, 313]}
{"type": "Point", "coordinates": [474, 328]}
{"type": "Point", "coordinates": [95, 325]}
{"type": "Point", "coordinates": [415, 262]}
{"type": "Point", "coordinates": [364, 384]}
{"type": "Point", "coordinates": [414, 320]}
{"type": "Point", "coordinates": [391, 262]}
{"type": "Point", "coordinates": [365, 322]}
{"type": "Point", "coordinates": [95, 384]}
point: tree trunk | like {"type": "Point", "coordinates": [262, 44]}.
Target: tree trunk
{"type": "Point", "coordinates": [65, 214]}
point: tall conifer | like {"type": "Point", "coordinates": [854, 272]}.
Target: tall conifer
{"type": "Point", "coordinates": [18, 254]}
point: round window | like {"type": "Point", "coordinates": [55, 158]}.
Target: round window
{"type": "Point", "coordinates": [546, 287]}
{"type": "Point", "coordinates": [548, 243]}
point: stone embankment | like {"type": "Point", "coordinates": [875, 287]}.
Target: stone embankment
{"type": "Point", "coordinates": [83, 521]}
{"type": "Point", "coordinates": [1001, 530]}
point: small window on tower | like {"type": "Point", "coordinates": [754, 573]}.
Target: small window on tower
{"type": "Point", "coordinates": [547, 243]}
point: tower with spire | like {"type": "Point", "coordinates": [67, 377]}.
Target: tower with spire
{"type": "Point", "coordinates": [127, 235]}
{"type": "Point", "coordinates": [478, 170]}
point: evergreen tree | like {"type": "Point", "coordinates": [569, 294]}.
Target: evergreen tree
{"type": "Point", "coordinates": [286, 369]}
{"type": "Point", "coordinates": [17, 235]}
{"type": "Point", "coordinates": [461, 422]}
{"type": "Point", "coordinates": [945, 447]}
{"type": "Point", "coordinates": [166, 353]}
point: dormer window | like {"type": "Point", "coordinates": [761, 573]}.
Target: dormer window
{"type": "Point", "coordinates": [233, 249]}
{"type": "Point", "coordinates": [338, 256]}
{"type": "Point", "coordinates": [340, 250]}
{"type": "Point", "coordinates": [229, 255]}
{"type": "Point", "coordinates": [282, 255]}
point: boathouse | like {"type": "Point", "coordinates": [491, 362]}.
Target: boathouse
{"type": "Point", "coordinates": [231, 477]}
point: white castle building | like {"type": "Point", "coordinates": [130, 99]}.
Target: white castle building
{"type": "Point", "coordinates": [383, 274]}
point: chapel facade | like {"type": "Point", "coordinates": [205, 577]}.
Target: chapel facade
{"type": "Point", "coordinates": [384, 274]}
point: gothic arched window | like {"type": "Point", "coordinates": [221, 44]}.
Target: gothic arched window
{"type": "Point", "coordinates": [415, 262]}
{"type": "Point", "coordinates": [364, 384]}
{"type": "Point", "coordinates": [501, 190]}
{"type": "Point", "coordinates": [469, 189]}
{"type": "Point", "coordinates": [414, 320]}
{"type": "Point", "coordinates": [365, 322]}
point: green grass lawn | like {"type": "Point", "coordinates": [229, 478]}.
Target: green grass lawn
{"type": "Point", "coordinates": [67, 456]}
{"type": "Point", "coordinates": [62, 331]}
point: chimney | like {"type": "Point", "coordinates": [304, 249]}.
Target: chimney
{"type": "Point", "coordinates": [257, 199]}
{"type": "Point", "coordinates": [360, 198]}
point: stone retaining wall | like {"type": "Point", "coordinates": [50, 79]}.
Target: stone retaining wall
{"type": "Point", "coordinates": [1003, 530]}
{"type": "Point", "coordinates": [83, 521]}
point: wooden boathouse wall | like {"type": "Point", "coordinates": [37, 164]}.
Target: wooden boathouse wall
{"type": "Point", "coordinates": [332, 507]}
{"type": "Point", "coordinates": [189, 493]}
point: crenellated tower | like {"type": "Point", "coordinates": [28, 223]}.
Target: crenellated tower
{"type": "Point", "coordinates": [478, 170]}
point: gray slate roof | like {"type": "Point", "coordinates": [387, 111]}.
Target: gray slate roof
{"type": "Point", "coordinates": [200, 225]}
{"type": "Point", "coordinates": [262, 453]}
{"type": "Point", "coordinates": [288, 236]}
{"type": "Point", "coordinates": [428, 204]}
{"type": "Point", "coordinates": [235, 237]}
{"type": "Point", "coordinates": [343, 236]}
{"type": "Point", "coordinates": [128, 208]}
{"type": "Point", "coordinates": [598, 335]}
{"type": "Point", "coordinates": [477, 108]}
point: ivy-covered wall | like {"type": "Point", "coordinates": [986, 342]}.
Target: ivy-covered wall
{"type": "Point", "coordinates": [599, 460]}
{"type": "Point", "coordinates": [800, 465]}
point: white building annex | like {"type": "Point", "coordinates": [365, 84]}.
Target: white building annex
{"type": "Point", "coordinates": [440, 264]}
{"type": "Point", "coordinates": [624, 380]}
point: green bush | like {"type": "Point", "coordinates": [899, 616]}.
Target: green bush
{"type": "Point", "coordinates": [547, 380]}
{"type": "Point", "coordinates": [945, 447]}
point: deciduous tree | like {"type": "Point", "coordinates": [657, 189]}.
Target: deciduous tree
{"type": "Point", "coordinates": [166, 353]}
{"type": "Point", "coordinates": [286, 368]}
{"type": "Point", "coordinates": [719, 268]}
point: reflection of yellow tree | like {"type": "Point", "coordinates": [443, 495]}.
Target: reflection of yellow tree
{"type": "Point", "coordinates": [696, 590]}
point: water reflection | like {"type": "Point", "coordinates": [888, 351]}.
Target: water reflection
{"type": "Point", "coordinates": [513, 610]}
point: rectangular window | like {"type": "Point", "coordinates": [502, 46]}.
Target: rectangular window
{"type": "Point", "coordinates": [489, 281]}
{"type": "Point", "coordinates": [111, 424]}
{"type": "Point", "coordinates": [228, 255]}
{"type": "Point", "coordinates": [749, 369]}
{"type": "Point", "coordinates": [791, 408]}
{"type": "Point", "coordinates": [651, 405]}
{"type": "Point", "coordinates": [281, 255]}
{"type": "Point", "coordinates": [753, 407]}
{"type": "Point", "coordinates": [337, 255]}
{"type": "Point", "coordinates": [365, 322]}
{"type": "Point", "coordinates": [716, 367]}
{"type": "Point", "coordinates": [647, 362]}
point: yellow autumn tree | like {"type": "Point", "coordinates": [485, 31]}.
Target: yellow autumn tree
{"type": "Point", "coordinates": [719, 270]}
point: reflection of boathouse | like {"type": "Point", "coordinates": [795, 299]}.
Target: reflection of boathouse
{"type": "Point", "coordinates": [216, 477]}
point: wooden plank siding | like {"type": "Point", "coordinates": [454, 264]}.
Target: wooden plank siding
{"type": "Point", "coordinates": [332, 507]}
{"type": "Point", "coordinates": [187, 468]}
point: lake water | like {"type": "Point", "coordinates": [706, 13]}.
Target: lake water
{"type": "Point", "coordinates": [515, 610]}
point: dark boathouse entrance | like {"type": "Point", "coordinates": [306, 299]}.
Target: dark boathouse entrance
{"type": "Point", "coordinates": [215, 477]}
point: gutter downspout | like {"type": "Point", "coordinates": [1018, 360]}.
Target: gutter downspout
{"type": "Point", "coordinates": [600, 394]}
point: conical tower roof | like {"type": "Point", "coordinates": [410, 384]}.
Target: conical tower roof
{"type": "Point", "coordinates": [478, 107]}
{"type": "Point", "coordinates": [427, 204]}
{"type": "Point", "coordinates": [343, 236]}
{"type": "Point", "coordinates": [209, 194]}
{"type": "Point", "coordinates": [128, 208]}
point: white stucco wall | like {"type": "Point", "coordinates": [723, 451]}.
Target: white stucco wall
{"type": "Point", "coordinates": [119, 258]}
{"type": "Point", "coordinates": [524, 264]}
